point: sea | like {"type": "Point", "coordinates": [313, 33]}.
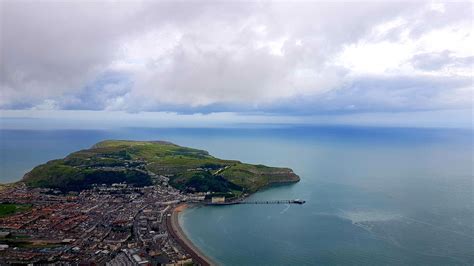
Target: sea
{"type": "Point", "coordinates": [374, 196]}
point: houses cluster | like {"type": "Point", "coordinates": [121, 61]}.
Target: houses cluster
{"type": "Point", "coordinates": [117, 224]}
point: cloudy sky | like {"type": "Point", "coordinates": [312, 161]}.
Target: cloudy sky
{"type": "Point", "coordinates": [272, 61]}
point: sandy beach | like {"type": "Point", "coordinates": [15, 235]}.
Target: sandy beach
{"type": "Point", "coordinates": [179, 235]}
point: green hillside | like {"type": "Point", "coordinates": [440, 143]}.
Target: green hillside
{"type": "Point", "coordinates": [144, 163]}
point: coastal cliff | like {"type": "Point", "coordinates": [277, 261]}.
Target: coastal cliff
{"type": "Point", "coordinates": [143, 163]}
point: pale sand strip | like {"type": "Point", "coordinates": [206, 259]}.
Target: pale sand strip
{"type": "Point", "coordinates": [179, 235]}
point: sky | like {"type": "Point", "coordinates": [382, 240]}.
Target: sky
{"type": "Point", "coordinates": [222, 62]}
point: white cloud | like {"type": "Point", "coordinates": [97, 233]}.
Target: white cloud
{"type": "Point", "coordinates": [194, 55]}
{"type": "Point", "coordinates": [375, 58]}
{"type": "Point", "coordinates": [439, 7]}
{"type": "Point", "coordinates": [393, 56]}
{"type": "Point", "coordinates": [47, 104]}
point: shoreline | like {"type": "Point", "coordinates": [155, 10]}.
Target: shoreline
{"type": "Point", "coordinates": [178, 234]}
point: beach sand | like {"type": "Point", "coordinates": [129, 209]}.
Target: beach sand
{"type": "Point", "coordinates": [178, 234]}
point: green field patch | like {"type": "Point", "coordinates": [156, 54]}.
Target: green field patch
{"type": "Point", "coordinates": [8, 209]}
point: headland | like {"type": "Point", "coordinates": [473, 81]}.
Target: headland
{"type": "Point", "coordinates": [118, 202]}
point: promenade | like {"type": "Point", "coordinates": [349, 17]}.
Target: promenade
{"type": "Point", "coordinates": [177, 233]}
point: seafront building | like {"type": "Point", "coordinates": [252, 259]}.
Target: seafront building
{"type": "Point", "coordinates": [113, 225]}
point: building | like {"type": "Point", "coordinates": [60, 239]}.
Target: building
{"type": "Point", "coordinates": [4, 234]}
{"type": "Point", "coordinates": [218, 199]}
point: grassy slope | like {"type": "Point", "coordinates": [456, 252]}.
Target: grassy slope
{"type": "Point", "coordinates": [7, 209]}
{"type": "Point", "coordinates": [189, 169]}
{"type": "Point", "coordinates": [257, 176]}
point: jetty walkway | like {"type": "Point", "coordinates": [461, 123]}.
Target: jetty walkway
{"type": "Point", "coordinates": [295, 201]}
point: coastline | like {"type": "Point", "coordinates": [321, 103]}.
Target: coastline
{"type": "Point", "coordinates": [178, 234]}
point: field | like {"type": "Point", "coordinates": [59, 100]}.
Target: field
{"type": "Point", "coordinates": [7, 209]}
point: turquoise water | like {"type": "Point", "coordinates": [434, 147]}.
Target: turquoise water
{"type": "Point", "coordinates": [374, 195]}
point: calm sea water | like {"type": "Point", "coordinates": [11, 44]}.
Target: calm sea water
{"type": "Point", "coordinates": [374, 195]}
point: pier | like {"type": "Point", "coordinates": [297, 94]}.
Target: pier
{"type": "Point", "coordinates": [295, 201]}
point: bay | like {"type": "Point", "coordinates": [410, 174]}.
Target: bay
{"type": "Point", "coordinates": [374, 195]}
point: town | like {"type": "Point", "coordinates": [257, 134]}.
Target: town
{"type": "Point", "coordinates": [117, 224]}
{"type": "Point", "coordinates": [117, 203]}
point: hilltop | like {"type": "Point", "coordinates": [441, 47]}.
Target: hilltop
{"type": "Point", "coordinates": [143, 163]}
